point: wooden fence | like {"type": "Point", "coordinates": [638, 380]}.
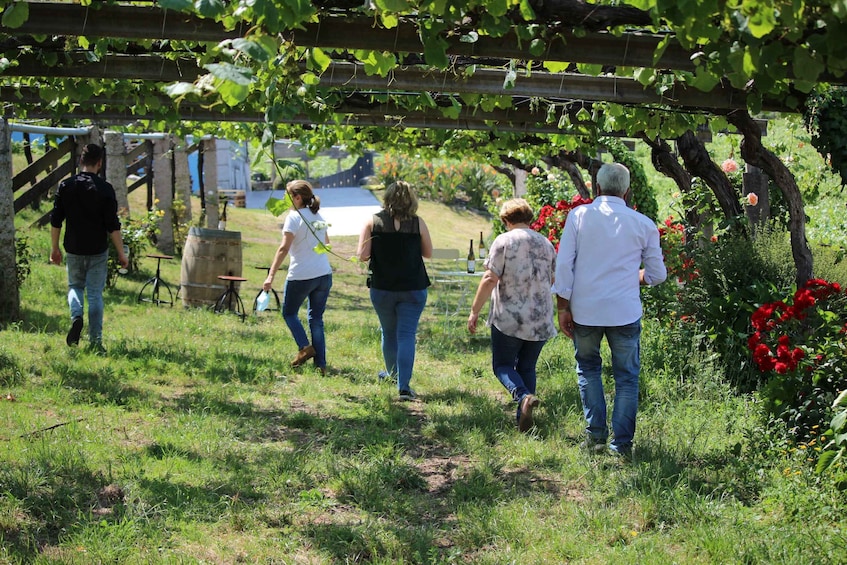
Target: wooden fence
{"type": "Point", "coordinates": [59, 162]}
{"type": "Point", "coordinates": [44, 175]}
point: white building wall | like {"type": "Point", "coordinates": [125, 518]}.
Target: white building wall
{"type": "Point", "coordinates": [233, 165]}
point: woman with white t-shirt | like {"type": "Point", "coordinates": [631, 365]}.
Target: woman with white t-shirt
{"type": "Point", "coordinates": [309, 272]}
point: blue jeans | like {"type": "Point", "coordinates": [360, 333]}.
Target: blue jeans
{"type": "Point", "coordinates": [399, 313]}
{"type": "Point", "coordinates": [317, 292]}
{"type": "Point", "coordinates": [513, 361]}
{"type": "Point", "coordinates": [88, 273]}
{"type": "Point", "coordinates": [625, 346]}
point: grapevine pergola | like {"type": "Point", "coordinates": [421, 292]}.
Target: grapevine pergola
{"type": "Point", "coordinates": [511, 80]}
{"type": "Point", "coordinates": [401, 68]}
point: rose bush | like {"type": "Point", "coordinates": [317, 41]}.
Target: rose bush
{"type": "Point", "coordinates": [551, 218]}
{"type": "Point", "coordinates": [800, 345]}
{"type": "Point", "coordinates": [677, 260]}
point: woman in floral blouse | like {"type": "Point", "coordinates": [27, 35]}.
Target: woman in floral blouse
{"type": "Point", "coordinates": [518, 277]}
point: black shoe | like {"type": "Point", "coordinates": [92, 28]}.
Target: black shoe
{"type": "Point", "coordinates": [74, 332]}
{"type": "Point", "coordinates": [622, 453]}
{"type": "Point", "coordinates": [593, 445]}
{"type": "Point", "coordinates": [407, 395]}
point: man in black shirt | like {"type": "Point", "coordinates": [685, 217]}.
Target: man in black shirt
{"type": "Point", "coordinates": [88, 204]}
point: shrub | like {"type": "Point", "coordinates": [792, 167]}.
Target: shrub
{"type": "Point", "coordinates": [719, 284]}
{"type": "Point", "coordinates": [445, 181]}
{"type": "Point", "coordinates": [137, 234]}
{"type": "Point", "coordinates": [23, 258]}
{"type": "Point", "coordinates": [800, 345]}
{"type": "Point", "coordinates": [543, 188]}
{"type": "Point", "coordinates": [643, 197]}
{"type": "Point", "coordinates": [390, 167]}
{"type": "Point", "coordinates": [835, 448]}
{"type": "Point", "coordinates": [479, 183]}
{"type": "Point", "coordinates": [663, 301]}
{"type": "Point", "coordinates": [551, 219]}
{"type": "Point", "coordinates": [179, 218]}
{"type": "Point", "coordinates": [442, 180]}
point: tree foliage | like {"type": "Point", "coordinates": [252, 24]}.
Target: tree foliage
{"type": "Point", "coordinates": [767, 50]}
{"type": "Point", "coordinates": [271, 66]}
{"type": "Point", "coordinates": [826, 119]}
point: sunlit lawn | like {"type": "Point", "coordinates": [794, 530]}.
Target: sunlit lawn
{"type": "Point", "coordinates": [194, 441]}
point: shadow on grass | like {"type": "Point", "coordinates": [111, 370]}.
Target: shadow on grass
{"type": "Point", "coordinates": [95, 387]}
{"type": "Point", "coordinates": [357, 543]}
{"type": "Point", "coordinates": [220, 366]}
{"type": "Point", "coordinates": [40, 320]}
{"type": "Point", "coordinates": [206, 502]}
{"type": "Point", "coordinates": [53, 490]}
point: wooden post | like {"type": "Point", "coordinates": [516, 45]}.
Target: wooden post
{"type": "Point", "coordinates": [520, 182]}
{"type": "Point", "coordinates": [210, 181]}
{"type": "Point", "coordinates": [163, 188]}
{"type": "Point", "coordinates": [116, 169]}
{"type": "Point", "coordinates": [148, 171]}
{"type": "Point", "coordinates": [182, 176]}
{"type": "Point", "coordinates": [755, 181]}
{"type": "Point", "coordinates": [9, 292]}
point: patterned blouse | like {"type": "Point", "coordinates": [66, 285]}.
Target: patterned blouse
{"type": "Point", "coordinates": [522, 302]}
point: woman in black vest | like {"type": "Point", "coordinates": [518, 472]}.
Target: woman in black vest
{"type": "Point", "coordinates": [396, 241]}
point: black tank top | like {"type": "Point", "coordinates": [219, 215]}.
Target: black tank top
{"type": "Point", "coordinates": [396, 261]}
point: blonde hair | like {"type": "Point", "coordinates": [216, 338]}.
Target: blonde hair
{"type": "Point", "coordinates": [303, 189]}
{"type": "Point", "coordinates": [516, 211]}
{"type": "Point", "coordinates": [400, 200]}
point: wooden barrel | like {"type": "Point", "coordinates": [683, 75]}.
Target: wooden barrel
{"type": "Point", "coordinates": [207, 254]}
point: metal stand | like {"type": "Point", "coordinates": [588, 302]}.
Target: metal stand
{"type": "Point", "coordinates": [230, 301]}
{"type": "Point", "coordinates": [155, 284]}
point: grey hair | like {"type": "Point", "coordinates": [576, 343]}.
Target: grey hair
{"type": "Point", "coordinates": [613, 179]}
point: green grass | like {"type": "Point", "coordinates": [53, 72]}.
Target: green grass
{"type": "Point", "coordinates": [193, 441]}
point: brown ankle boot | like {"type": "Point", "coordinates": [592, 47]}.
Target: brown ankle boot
{"type": "Point", "coordinates": [303, 355]}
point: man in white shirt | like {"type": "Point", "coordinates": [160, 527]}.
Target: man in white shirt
{"type": "Point", "coordinates": [606, 251]}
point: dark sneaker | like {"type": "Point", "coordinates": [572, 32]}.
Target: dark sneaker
{"type": "Point", "coordinates": [407, 395]}
{"type": "Point", "coordinates": [624, 453]}
{"type": "Point", "coordinates": [594, 445]}
{"type": "Point", "coordinates": [525, 421]}
{"type": "Point", "coordinates": [74, 332]}
{"type": "Point", "coordinates": [96, 348]}
{"type": "Point", "coordinates": [303, 355]}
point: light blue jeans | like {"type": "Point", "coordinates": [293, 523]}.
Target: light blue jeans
{"type": "Point", "coordinates": [513, 361]}
{"type": "Point", "coordinates": [317, 292]}
{"type": "Point", "coordinates": [399, 313]}
{"type": "Point", "coordinates": [625, 346]}
{"type": "Point", "coordinates": [87, 273]}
